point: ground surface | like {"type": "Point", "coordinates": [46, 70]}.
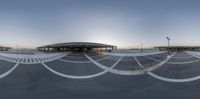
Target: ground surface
{"type": "Point", "coordinates": [124, 80]}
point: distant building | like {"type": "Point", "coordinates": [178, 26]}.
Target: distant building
{"type": "Point", "coordinates": [2, 48]}
{"type": "Point", "coordinates": [77, 46]}
{"type": "Point", "coordinates": [178, 48]}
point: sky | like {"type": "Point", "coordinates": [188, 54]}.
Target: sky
{"type": "Point", "coordinates": [125, 23]}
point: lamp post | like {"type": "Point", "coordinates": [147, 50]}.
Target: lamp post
{"type": "Point", "coordinates": [168, 42]}
{"type": "Point", "coordinates": [85, 47]}
{"type": "Point", "coordinates": [141, 46]}
{"type": "Point", "coordinates": [17, 48]}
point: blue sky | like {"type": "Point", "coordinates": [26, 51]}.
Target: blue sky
{"type": "Point", "coordinates": [125, 23]}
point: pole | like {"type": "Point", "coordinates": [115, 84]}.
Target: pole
{"type": "Point", "coordinates": [141, 47]}
{"type": "Point", "coordinates": [168, 41]}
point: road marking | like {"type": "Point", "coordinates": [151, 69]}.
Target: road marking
{"type": "Point", "coordinates": [9, 71]}
{"type": "Point", "coordinates": [78, 62]}
{"type": "Point", "coordinates": [115, 71]}
{"type": "Point", "coordinates": [173, 80]}
{"type": "Point", "coordinates": [160, 64]}
{"type": "Point", "coordinates": [133, 54]}
{"type": "Point", "coordinates": [177, 63]}
{"type": "Point", "coordinates": [168, 79]}
{"type": "Point", "coordinates": [81, 77]}
{"type": "Point", "coordinates": [30, 59]}
{"type": "Point", "coordinates": [184, 57]}
{"type": "Point", "coordinates": [194, 54]}
{"type": "Point", "coordinates": [105, 68]}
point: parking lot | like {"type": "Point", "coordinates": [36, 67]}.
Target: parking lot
{"type": "Point", "coordinates": [76, 75]}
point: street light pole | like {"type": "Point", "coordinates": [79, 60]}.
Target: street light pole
{"type": "Point", "coordinates": [17, 48]}
{"type": "Point", "coordinates": [141, 47]}
{"type": "Point", "coordinates": [168, 41]}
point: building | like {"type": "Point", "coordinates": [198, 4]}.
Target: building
{"type": "Point", "coordinates": [77, 46]}
{"type": "Point", "coordinates": [3, 48]}
{"type": "Point", "coordinates": [178, 48]}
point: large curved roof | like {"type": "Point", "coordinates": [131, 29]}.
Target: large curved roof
{"type": "Point", "coordinates": [5, 47]}
{"type": "Point", "coordinates": [78, 44]}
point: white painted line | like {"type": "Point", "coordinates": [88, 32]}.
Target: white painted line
{"type": "Point", "coordinates": [12, 58]}
{"type": "Point", "coordinates": [194, 54]}
{"type": "Point", "coordinates": [34, 60]}
{"type": "Point", "coordinates": [168, 79]}
{"type": "Point", "coordinates": [153, 59]}
{"type": "Point", "coordinates": [79, 62]}
{"type": "Point", "coordinates": [133, 54]}
{"type": "Point", "coordinates": [22, 60]}
{"type": "Point", "coordinates": [188, 62]}
{"type": "Point", "coordinates": [18, 60]}
{"type": "Point", "coordinates": [74, 57]}
{"type": "Point", "coordinates": [177, 63]}
{"type": "Point", "coordinates": [173, 80]}
{"type": "Point", "coordinates": [40, 60]}
{"type": "Point", "coordinates": [160, 64]}
{"type": "Point", "coordinates": [9, 58]}
{"type": "Point", "coordinates": [15, 60]}
{"type": "Point", "coordinates": [184, 57]}
{"type": "Point", "coordinates": [104, 58]}
{"type": "Point", "coordinates": [80, 77]}
{"type": "Point", "coordinates": [29, 59]}
{"type": "Point", "coordinates": [9, 71]}
{"type": "Point", "coordinates": [26, 60]}
{"type": "Point", "coordinates": [115, 71]}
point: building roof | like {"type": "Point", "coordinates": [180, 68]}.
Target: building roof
{"type": "Point", "coordinates": [78, 44]}
{"type": "Point", "coordinates": [5, 47]}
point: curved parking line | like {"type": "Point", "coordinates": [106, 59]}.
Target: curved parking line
{"type": "Point", "coordinates": [177, 63]}
{"type": "Point", "coordinates": [81, 77]}
{"type": "Point", "coordinates": [130, 73]}
{"type": "Point", "coordinates": [104, 58]}
{"type": "Point", "coordinates": [9, 71]}
{"type": "Point", "coordinates": [168, 79]}
{"type": "Point", "coordinates": [84, 57]}
{"type": "Point", "coordinates": [76, 62]}
{"type": "Point", "coordinates": [74, 57]}
{"type": "Point", "coordinates": [133, 54]}
{"type": "Point", "coordinates": [96, 56]}
{"type": "Point", "coordinates": [79, 62]}
{"type": "Point", "coordinates": [115, 71]}
{"type": "Point", "coordinates": [174, 57]}
{"type": "Point", "coordinates": [193, 54]}
{"type": "Point", "coordinates": [190, 56]}
{"type": "Point", "coordinates": [182, 63]}
{"type": "Point", "coordinates": [184, 57]}
{"type": "Point", "coordinates": [157, 65]}
{"type": "Point", "coordinates": [160, 56]}
{"type": "Point", "coordinates": [153, 59]}
{"type": "Point", "coordinates": [173, 80]}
